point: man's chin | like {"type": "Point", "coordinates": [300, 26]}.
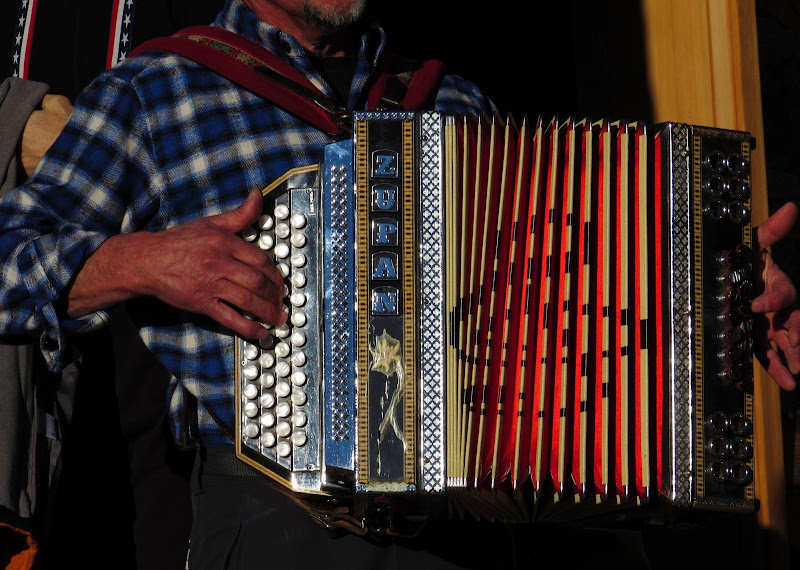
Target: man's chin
{"type": "Point", "coordinates": [333, 15]}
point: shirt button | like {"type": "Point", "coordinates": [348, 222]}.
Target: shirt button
{"type": "Point", "coordinates": [286, 46]}
{"type": "Point", "coordinates": [50, 343]}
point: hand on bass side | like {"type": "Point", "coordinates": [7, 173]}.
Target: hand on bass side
{"type": "Point", "coordinates": [775, 308]}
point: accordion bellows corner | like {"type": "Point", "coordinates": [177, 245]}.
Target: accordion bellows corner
{"type": "Point", "coordinates": [514, 321]}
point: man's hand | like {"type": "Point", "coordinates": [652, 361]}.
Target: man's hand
{"type": "Point", "coordinates": [203, 266]}
{"type": "Point", "coordinates": [777, 316]}
{"type": "Point", "coordinates": [42, 128]}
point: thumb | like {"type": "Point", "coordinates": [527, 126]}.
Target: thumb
{"type": "Point", "coordinates": [243, 216]}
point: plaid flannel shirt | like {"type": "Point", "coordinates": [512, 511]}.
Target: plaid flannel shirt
{"type": "Point", "coordinates": [156, 142]}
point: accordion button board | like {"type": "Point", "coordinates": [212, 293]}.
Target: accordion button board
{"type": "Point", "coordinates": [538, 321]}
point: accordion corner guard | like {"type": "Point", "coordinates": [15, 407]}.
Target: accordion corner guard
{"type": "Point", "coordinates": [510, 320]}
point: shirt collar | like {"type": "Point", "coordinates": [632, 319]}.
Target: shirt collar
{"type": "Point", "coordinates": [237, 17]}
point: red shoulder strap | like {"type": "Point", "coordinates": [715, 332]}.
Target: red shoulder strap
{"type": "Point", "coordinates": [406, 84]}
{"type": "Point", "coordinates": [256, 69]}
{"type": "Point", "coordinates": [401, 84]}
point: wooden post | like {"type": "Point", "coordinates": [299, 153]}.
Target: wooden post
{"type": "Point", "coordinates": [702, 59]}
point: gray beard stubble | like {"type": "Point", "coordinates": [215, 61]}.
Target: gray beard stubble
{"type": "Point", "coordinates": [324, 18]}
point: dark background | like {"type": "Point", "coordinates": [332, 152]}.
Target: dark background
{"type": "Point", "coordinates": [568, 57]}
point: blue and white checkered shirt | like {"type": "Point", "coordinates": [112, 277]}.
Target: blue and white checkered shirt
{"type": "Point", "coordinates": [156, 142]}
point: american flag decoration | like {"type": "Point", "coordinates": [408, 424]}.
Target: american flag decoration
{"type": "Point", "coordinates": [120, 36]}
{"type": "Point", "coordinates": [24, 38]}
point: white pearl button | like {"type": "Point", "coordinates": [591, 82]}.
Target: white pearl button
{"type": "Point", "coordinates": [282, 230]}
{"type": "Point", "coordinates": [283, 389]}
{"type": "Point", "coordinates": [298, 221]}
{"type": "Point", "coordinates": [299, 378]}
{"type": "Point", "coordinates": [267, 380]}
{"type": "Point", "coordinates": [250, 391]}
{"type": "Point", "coordinates": [251, 352]}
{"type": "Point", "coordinates": [298, 339]}
{"type": "Point", "coordinates": [299, 397]}
{"type": "Point", "coordinates": [267, 420]}
{"type": "Point", "coordinates": [251, 430]}
{"type": "Point", "coordinates": [265, 241]}
{"type": "Point", "coordinates": [251, 409]}
{"type": "Point", "coordinates": [298, 318]}
{"type": "Point", "coordinates": [283, 429]}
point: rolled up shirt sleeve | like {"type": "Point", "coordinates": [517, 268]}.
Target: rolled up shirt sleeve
{"type": "Point", "coordinates": [78, 198]}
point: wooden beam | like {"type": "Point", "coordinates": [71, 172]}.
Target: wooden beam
{"type": "Point", "coordinates": [702, 58]}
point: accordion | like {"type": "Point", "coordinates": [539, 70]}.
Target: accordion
{"type": "Point", "coordinates": [514, 321]}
